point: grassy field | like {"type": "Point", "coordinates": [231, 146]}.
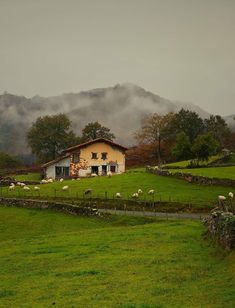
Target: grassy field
{"type": "Point", "coordinates": [33, 176]}
{"type": "Point", "coordinates": [48, 258]}
{"type": "Point", "coordinates": [213, 172]}
{"type": "Point", "coordinates": [185, 163]}
{"type": "Point", "coordinates": [166, 189]}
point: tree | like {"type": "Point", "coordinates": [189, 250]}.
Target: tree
{"type": "Point", "coordinates": [95, 130]}
{"type": "Point", "coordinates": [49, 135]}
{"type": "Point", "coordinates": [182, 150]}
{"type": "Point", "coordinates": [204, 146]}
{"type": "Point", "coordinates": [218, 128]}
{"type": "Point", "coordinates": [9, 162]}
{"type": "Point", "coordinates": [155, 129]}
{"type": "Point", "coordinates": [190, 123]}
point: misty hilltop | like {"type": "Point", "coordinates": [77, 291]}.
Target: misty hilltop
{"type": "Point", "coordinates": [121, 108]}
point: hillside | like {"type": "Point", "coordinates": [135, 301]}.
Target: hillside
{"type": "Point", "coordinates": [121, 108]}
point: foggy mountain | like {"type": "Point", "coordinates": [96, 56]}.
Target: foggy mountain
{"type": "Point", "coordinates": [121, 108]}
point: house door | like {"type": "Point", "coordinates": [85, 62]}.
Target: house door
{"type": "Point", "coordinates": [113, 169]}
{"type": "Point", "coordinates": [104, 169]}
{"type": "Point", "coordinates": [94, 169]}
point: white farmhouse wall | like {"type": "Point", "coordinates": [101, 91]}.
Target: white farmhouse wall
{"type": "Point", "coordinates": [50, 170]}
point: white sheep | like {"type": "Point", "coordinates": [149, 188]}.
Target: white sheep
{"type": "Point", "coordinates": [151, 192]}
{"type": "Point", "coordinates": [221, 198]}
{"type": "Point", "coordinates": [18, 184]}
{"type": "Point", "coordinates": [109, 174]}
{"type": "Point", "coordinates": [22, 185]}
{"type": "Point", "coordinates": [50, 181]}
{"type": "Point", "coordinates": [36, 188]}
{"type": "Point", "coordinates": [78, 179]}
{"type": "Point", "coordinates": [12, 184]}
{"type": "Point", "coordinates": [118, 195]}
{"type": "Point", "coordinates": [93, 174]}
{"type": "Point", "coordinates": [65, 188]}
{"type": "Point", "coordinates": [135, 195]}
{"type": "Point", "coordinates": [230, 195]}
{"type": "Point", "coordinates": [11, 187]}
{"type": "Point", "coordinates": [61, 180]}
{"type": "Point", "coordinates": [44, 181]}
{"type": "Point", "coordinates": [26, 188]}
{"type": "Point", "coordinates": [140, 191]}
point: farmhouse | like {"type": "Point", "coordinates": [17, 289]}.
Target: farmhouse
{"type": "Point", "coordinates": [96, 156]}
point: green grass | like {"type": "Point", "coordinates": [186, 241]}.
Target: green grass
{"type": "Point", "coordinates": [185, 163]}
{"type": "Point", "coordinates": [33, 176]}
{"type": "Point", "coordinates": [166, 188]}
{"type": "Point", "coordinates": [48, 258]}
{"type": "Point", "coordinates": [212, 172]}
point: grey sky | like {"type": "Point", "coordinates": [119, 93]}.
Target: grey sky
{"type": "Point", "coordinates": [179, 49]}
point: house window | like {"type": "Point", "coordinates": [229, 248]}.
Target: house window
{"type": "Point", "coordinates": [61, 171]}
{"type": "Point", "coordinates": [75, 158]}
{"type": "Point", "coordinates": [104, 156]}
{"type": "Point", "coordinates": [113, 169]}
{"type": "Point", "coordinates": [94, 155]}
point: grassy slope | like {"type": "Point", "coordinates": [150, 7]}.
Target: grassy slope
{"type": "Point", "coordinates": [32, 176]}
{"type": "Point", "coordinates": [185, 163]}
{"type": "Point", "coordinates": [220, 172]}
{"type": "Point", "coordinates": [48, 258]}
{"type": "Point", "coordinates": [166, 188]}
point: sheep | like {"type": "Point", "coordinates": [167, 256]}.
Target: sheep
{"type": "Point", "coordinates": [61, 180]}
{"type": "Point", "coordinates": [135, 195]}
{"type": "Point", "coordinates": [26, 188]}
{"type": "Point", "coordinates": [230, 195]}
{"type": "Point", "coordinates": [18, 184]}
{"type": "Point", "coordinates": [65, 188]}
{"type": "Point", "coordinates": [88, 191]}
{"type": "Point", "coordinates": [93, 174]}
{"type": "Point", "coordinates": [12, 184]}
{"type": "Point", "coordinates": [36, 188]}
{"type": "Point", "coordinates": [44, 181]}
{"type": "Point", "coordinates": [78, 179]}
{"type": "Point", "coordinates": [50, 181]}
{"type": "Point", "coordinates": [140, 191]}
{"type": "Point", "coordinates": [118, 195]}
{"type": "Point", "coordinates": [11, 187]}
{"type": "Point", "coordinates": [151, 192]}
{"type": "Point", "coordinates": [22, 185]}
{"type": "Point", "coordinates": [221, 198]}
{"type": "Point", "coordinates": [109, 174]}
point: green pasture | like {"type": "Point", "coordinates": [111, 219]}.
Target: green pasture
{"type": "Point", "coordinates": [185, 163]}
{"type": "Point", "coordinates": [212, 172]}
{"type": "Point", "coordinates": [51, 259]}
{"type": "Point", "coordinates": [166, 189]}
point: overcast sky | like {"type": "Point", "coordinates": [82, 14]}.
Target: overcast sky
{"type": "Point", "coordinates": [179, 49]}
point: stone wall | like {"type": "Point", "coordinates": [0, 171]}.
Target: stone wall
{"type": "Point", "coordinates": [221, 228]}
{"type": "Point", "coordinates": [197, 179]}
{"type": "Point", "coordinates": [57, 206]}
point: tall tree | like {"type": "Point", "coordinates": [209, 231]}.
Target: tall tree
{"type": "Point", "coordinates": [95, 130]}
{"type": "Point", "coordinates": [49, 135]}
{"type": "Point", "coordinates": [218, 128]}
{"type": "Point", "coordinates": [155, 129]}
{"type": "Point", "coordinates": [8, 162]}
{"type": "Point", "coordinates": [182, 149]}
{"type": "Point", "coordinates": [204, 146]}
{"type": "Point", "coordinates": [190, 123]}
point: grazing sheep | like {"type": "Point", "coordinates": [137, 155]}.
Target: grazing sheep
{"type": "Point", "coordinates": [18, 184]}
{"type": "Point", "coordinates": [73, 179]}
{"type": "Point", "coordinates": [140, 191]}
{"type": "Point", "coordinates": [221, 198]}
{"type": "Point", "coordinates": [65, 188]}
{"type": "Point", "coordinates": [50, 181]}
{"type": "Point", "coordinates": [230, 195]}
{"type": "Point", "coordinates": [22, 184]}
{"type": "Point", "coordinates": [11, 187]}
{"type": "Point", "coordinates": [109, 174]}
{"type": "Point", "coordinates": [12, 184]}
{"type": "Point", "coordinates": [151, 192]}
{"type": "Point", "coordinates": [118, 195]}
{"type": "Point", "coordinates": [78, 179]}
{"type": "Point", "coordinates": [26, 188]}
{"type": "Point", "coordinates": [61, 180]}
{"type": "Point", "coordinates": [88, 191]}
{"type": "Point", "coordinates": [36, 188]}
{"type": "Point", "coordinates": [93, 174]}
{"type": "Point", "coordinates": [44, 181]}
{"type": "Point", "coordinates": [135, 195]}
